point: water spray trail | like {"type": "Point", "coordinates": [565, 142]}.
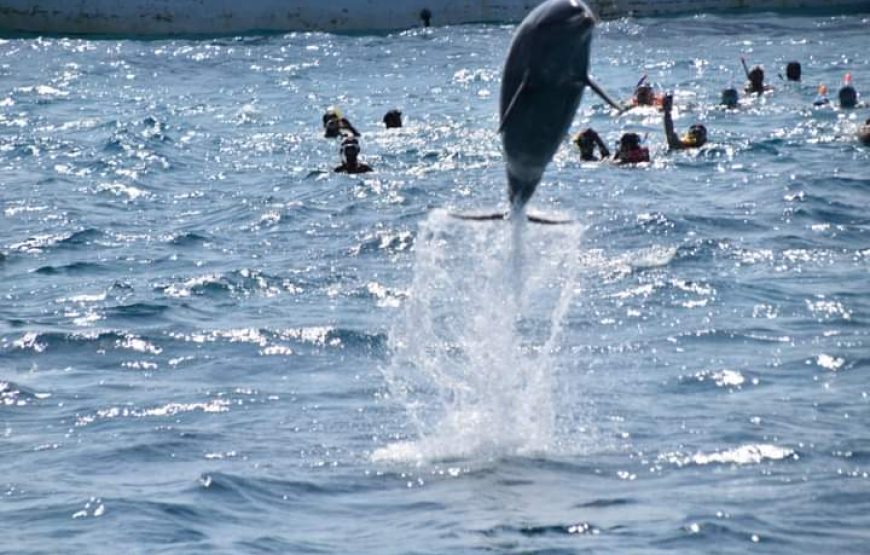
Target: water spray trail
{"type": "Point", "coordinates": [472, 352]}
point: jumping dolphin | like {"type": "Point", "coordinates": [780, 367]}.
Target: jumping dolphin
{"type": "Point", "coordinates": [546, 70]}
{"type": "Point", "coordinates": [545, 73]}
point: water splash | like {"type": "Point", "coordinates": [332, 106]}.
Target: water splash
{"type": "Point", "coordinates": [474, 350]}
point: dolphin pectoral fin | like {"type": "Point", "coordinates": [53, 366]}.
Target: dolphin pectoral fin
{"type": "Point", "coordinates": [504, 117]}
{"type": "Point", "coordinates": [604, 96]}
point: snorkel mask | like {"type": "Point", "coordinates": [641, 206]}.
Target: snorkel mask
{"type": "Point", "coordinates": [696, 136]}
{"type": "Point", "coordinates": [644, 95]}
{"type": "Point", "coordinates": [349, 149]}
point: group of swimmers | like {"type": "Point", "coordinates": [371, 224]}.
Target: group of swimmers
{"type": "Point", "coordinates": [630, 149]}
{"type": "Point", "coordinates": [336, 126]}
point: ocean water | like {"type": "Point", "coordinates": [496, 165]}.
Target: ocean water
{"type": "Point", "coordinates": [210, 343]}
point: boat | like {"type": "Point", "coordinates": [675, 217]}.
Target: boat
{"type": "Point", "coordinates": [153, 18]}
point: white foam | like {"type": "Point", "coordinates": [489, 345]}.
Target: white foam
{"type": "Point", "coordinates": [753, 453]}
{"type": "Point", "coordinates": [472, 350]}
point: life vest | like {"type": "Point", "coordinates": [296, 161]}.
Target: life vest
{"type": "Point", "coordinates": [636, 156]}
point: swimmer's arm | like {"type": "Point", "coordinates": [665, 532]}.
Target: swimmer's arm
{"type": "Point", "coordinates": [673, 140]}
{"type": "Point", "coordinates": [601, 146]}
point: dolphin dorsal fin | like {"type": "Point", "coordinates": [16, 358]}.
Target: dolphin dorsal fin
{"type": "Point", "coordinates": [604, 96]}
{"type": "Point", "coordinates": [523, 84]}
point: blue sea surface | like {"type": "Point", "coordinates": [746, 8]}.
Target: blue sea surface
{"type": "Point", "coordinates": [211, 343]}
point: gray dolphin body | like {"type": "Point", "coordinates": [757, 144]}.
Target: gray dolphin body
{"type": "Point", "coordinates": [545, 73]}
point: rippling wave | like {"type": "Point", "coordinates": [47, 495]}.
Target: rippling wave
{"type": "Point", "coordinates": [211, 343]}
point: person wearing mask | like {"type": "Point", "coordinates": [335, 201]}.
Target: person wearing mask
{"type": "Point", "coordinates": [695, 137]}
{"type": "Point", "coordinates": [847, 95]}
{"type": "Point", "coordinates": [730, 97]}
{"type": "Point", "coordinates": [350, 163]}
{"type": "Point", "coordinates": [586, 141]}
{"type": "Point", "coordinates": [630, 151]}
{"type": "Point", "coordinates": [336, 125]}
{"type": "Point", "coordinates": [755, 81]}
{"type": "Point", "coordinates": [822, 96]}
{"type": "Point", "coordinates": [793, 71]}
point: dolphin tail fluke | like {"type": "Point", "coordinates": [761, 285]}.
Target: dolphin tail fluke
{"type": "Point", "coordinates": [481, 217]}
{"type": "Point", "coordinates": [604, 96]}
{"type": "Point", "coordinates": [546, 221]}
{"type": "Point", "coordinates": [502, 216]}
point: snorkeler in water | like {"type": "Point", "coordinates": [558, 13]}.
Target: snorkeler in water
{"type": "Point", "coordinates": [793, 71]}
{"type": "Point", "coordinates": [336, 125]}
{"type": "Point", "coordinates": [586, 141]}
{"type": "Point", "coordinates": [754, 79]}
{"type": "Point", "coordinates": [694, 138]}
{"type": "Point", "coordinates": [393, 119]}
{"type": "Point", "coordinates": [644, 94]}
{"type": "Point", "coordinates": [630, 151]}
{"type": "Point", "coordinates": [350, 157]}
{"type": "Point", "coordinates": [730, 97]}
{"type": "Point", "coordinates": [847, 95]}
{"type": "Point", "coordinates": [822, 96]}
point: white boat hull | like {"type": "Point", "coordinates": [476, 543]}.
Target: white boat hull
{"type": "Point", "coordinates": [230, 17]}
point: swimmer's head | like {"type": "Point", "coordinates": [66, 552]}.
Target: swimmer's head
{"type": "Point", "coordinates": [696, 136]}
{"type": "Point", "coordinates": [643, 95]}
{"type": "Point", "coordinates": [393, 119]}
{"type": "Point", "coordinates": [629, 141]}
{"type": "Point", "coordinates": [756, 76]}
{"type": "Point", "coordinates": [586, 143]}
{"type": "Point", "coordinates": [332, 128]}
{"type": "Point", "coordinates": [793, 71]}
{"type": "Point", "coordinates": [730, 97]}
{"type": "Point", "coordinates": [848, 97]}
{"type": "Point", "coordinates": [331, 113]}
